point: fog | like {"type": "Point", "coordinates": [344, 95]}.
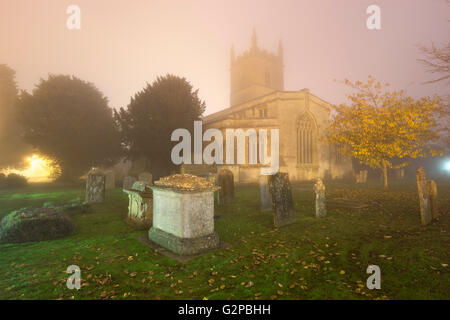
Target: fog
{"type": "Point", "coordinates": [124, 44]}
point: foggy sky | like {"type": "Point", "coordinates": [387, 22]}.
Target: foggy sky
{"type": "Point", "coordinates": [123, 44]}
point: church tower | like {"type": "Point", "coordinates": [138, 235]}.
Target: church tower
{"type": "Point", "coordinates": [255, 73]}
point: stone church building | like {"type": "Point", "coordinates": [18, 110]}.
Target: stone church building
{"type": "Point", "coordinates": [258, 101]}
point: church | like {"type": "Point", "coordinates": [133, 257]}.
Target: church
{"type": "Point", "coordinates": [258, 101]}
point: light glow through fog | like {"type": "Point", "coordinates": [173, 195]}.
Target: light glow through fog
{"type": "Point", "coordinates": [39, 169]}
{"type": "Point", "coordinates": [447, 165]}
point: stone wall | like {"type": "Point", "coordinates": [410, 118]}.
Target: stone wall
{"type": "Point", "coordinates": [284, 111]}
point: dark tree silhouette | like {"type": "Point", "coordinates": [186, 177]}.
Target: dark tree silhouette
{"type": "Point", "coordinates": [151, 116]}
{"type": "Point", "coordinates": [12, 147]}
{"type": "Point", "coordinates": [68, 120]}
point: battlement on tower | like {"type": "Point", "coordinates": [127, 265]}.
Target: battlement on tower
{"type": "Point", "coordinates": [254, 73]}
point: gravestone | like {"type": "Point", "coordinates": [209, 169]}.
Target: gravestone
{"type": "Point", "coordinates": [95, 187]}
{"type": "Point", "coordinates": [226, 184]}
{"type": "Point", "coordinates": [140, 205]}
{"type": "Point", "coordinates": [128, 182]}
{"type": "Point", "coordinates": [110, 179]}
{"type": "Point", "coordinates": [432, 190]}
{"type": "Point", "coordinates": [183, 214]}
{"type": "Point", "coordinates": [281, 196]}
{"type": "Point", "coordinates": [146, 177]}
{"type": "Point", "coordinates": [424, 196]}
{"type": "Point", "coordinates": [213, 179]}
{"type": "Point", "coordinates": [319, 189]}
{"type": "Point", "coordinates": [139, 186]}
{"type": "Point", "coordinates": [264, 194]}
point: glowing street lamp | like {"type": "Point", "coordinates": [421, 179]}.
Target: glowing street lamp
{"type": "Point", "coordinates": [447, 165]}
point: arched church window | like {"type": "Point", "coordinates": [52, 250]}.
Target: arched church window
{"type": "Point", "coordinates": [305, 139]}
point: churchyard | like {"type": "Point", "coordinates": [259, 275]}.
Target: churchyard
{"type": "Point", "coordinates": [312, 258]}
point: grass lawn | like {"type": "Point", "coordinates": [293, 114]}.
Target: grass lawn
{"type": "Point", "coordinates": [312, 259]}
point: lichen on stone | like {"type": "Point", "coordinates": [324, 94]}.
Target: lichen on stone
{"type": "Point", "coordinates": [185, 182]}
{"type": "Point", "coordinates": [38, 224]}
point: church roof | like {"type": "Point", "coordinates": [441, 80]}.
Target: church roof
{"type": "Point", "coordinates": [275, 95]}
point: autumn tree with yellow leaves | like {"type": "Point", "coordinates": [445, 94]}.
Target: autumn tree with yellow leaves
{"type": "Point", "coordinates": [384, 129]}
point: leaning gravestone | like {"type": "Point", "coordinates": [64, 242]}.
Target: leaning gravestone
{"type": "Point", "coordinates": [146, 177]}
{"type": "Point", "coordinates": [424, 196]}
{"type": "Point", "coordinates": [183, 214]}
{"type": "Point", "coordinates": [226, 183]}
{"type": "Point", "coordinates": [128, 182]}
{"type": "Point", "coordinates": [95, 187]}
{"type": "Point", "coordinates": [282, 204]}
{"type": "Point", "coordinates": [432, 189]}
{"type": "Point", "coordinates": [264, 194]}
{"type": "Point", "coordinates": [110, 179]}
{"type": "Point", "coordinates": [319, 189]}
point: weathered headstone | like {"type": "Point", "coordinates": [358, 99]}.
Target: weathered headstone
{"type": "Point", "coordinates": [226, 183]}
{"type": "Point", "coordinates": [146, 177]}
{"type": "Point", "coordinates": [213, 178]}
{"type": "Point", "coordinates": [424, 196]}
{"type": "Point", "coordinates": [95, 187]}
{"type": "Point", "coordinates": [432, 190]}
{"type": "Point", "coordinates": [319, 189]}
{"type": "Point", "coordinates": [110, 179]}
{"type": "Point", "coordinates": [128, 182]}
{"type": "Point", "coordinates": [281, 195]}
{"type": "Point", "coordinates": [264, 194]}
{"type": "Point", "coordinates": [140, 205]}
{"type": "Point", "coordinates": [183, 214]}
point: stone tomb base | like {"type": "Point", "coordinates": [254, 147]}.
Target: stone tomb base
{"type": "Point", "coordinates": [180, 258]}
{"type": "Point", "coordinates": [183, 221]}
{"type": "Point", "coordinates": [184, 246]}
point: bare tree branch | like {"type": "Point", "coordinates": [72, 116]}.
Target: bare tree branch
{"type": "Point", "coordinates": [437, 60]}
